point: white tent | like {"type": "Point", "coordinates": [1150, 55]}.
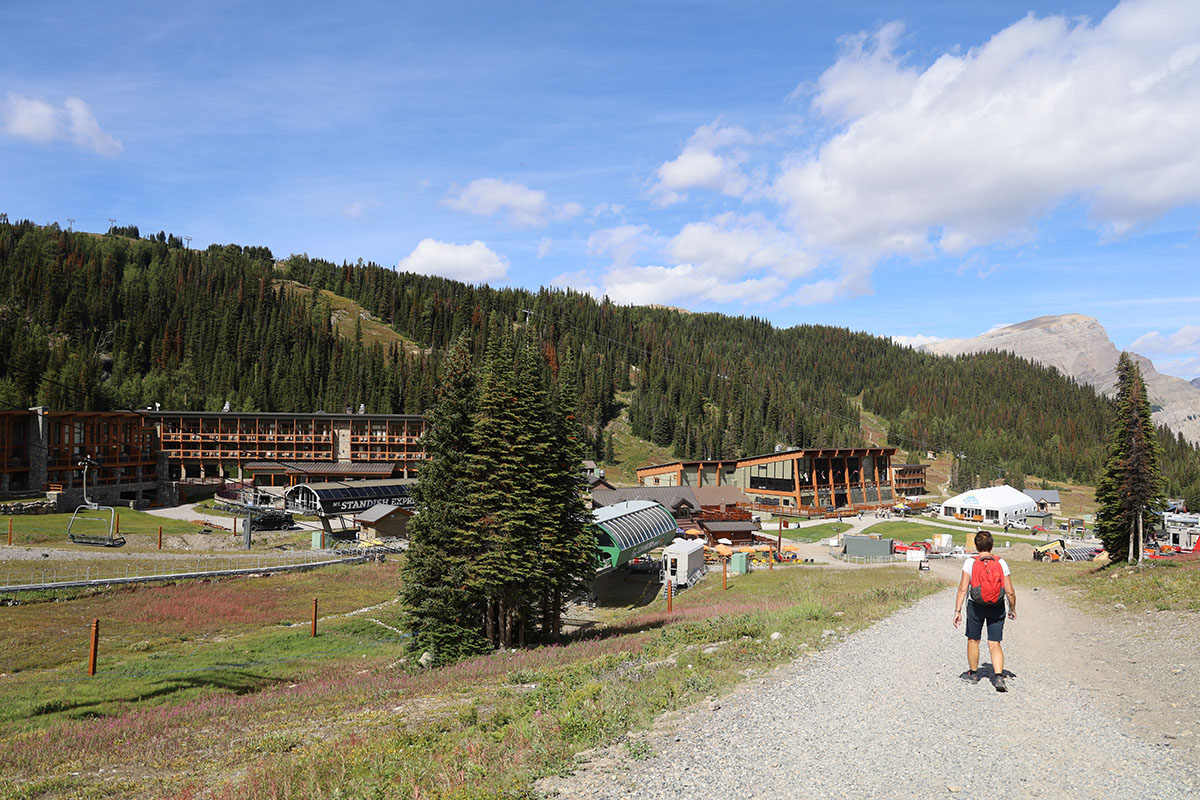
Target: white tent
{"type": "Point", "coordinates": [995, 505]}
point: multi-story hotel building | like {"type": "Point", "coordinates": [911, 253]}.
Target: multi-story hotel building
{"type": "Point", "coordinates": [148, 455]}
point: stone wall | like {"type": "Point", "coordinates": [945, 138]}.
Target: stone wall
{"type": "Point", "coordinates": [27, 507]}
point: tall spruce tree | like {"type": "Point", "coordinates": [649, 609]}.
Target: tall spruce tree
{"type": "Point", "coordinates": [440, 613]}
{"type": "Point", "coordinates": [1131, 487]}
{"type": "Point", "coordinates": [568, 547]}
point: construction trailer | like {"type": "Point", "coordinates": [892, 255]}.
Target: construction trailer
{"type": "Point", "coordinates": [683, 563]}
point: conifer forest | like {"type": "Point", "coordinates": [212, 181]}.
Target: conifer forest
{"type": "Point", "coordinates": [91, 321]}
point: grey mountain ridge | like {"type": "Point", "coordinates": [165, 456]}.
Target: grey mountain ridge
{"type": "Point", "coordinates": [1078, 347]}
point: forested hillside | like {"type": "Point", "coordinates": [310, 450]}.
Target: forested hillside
{"type": "Point", "coordinates": [115, 321]}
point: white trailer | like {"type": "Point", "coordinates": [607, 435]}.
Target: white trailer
{"type": "Point", "coordinates": [683, 563]}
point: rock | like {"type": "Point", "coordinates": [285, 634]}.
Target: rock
{"type": "Point", "coordinates": [827, 632]}
{"type": "Point", "coordinates": [426, 659]}
{"type": "Point", "coordinates": [1119, 607]}
{"type": "Point", "coordinates": [954, 788]}
{"type": "Point", "coordinates": [776, 636]}
{"type": "Point", "coordinates": [1079, 347]}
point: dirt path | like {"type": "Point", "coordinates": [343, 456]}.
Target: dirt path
{"type": "Point", "coordinates": [1099, 706]}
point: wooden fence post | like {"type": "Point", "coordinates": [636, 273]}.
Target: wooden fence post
{"type": "Point", "coordinates": [160, 537]}
{"type": "Point", "coordinates": [314, 624]}
{"type": "Point", "coordinates": [10, 531]}
{"type": "Point", "coordinates": [725, 573]}
{"type": "Point", "coordinates": [670, 585]}
{"type": "Point", "coordinates": [95, 643]}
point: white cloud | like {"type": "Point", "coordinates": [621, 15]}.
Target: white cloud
{"type": "Point", "coordinates": [521, 205]}
{"type": "Point", "coordinates": [544, 248]}
{"type": "Point", "coordinates": [916, 342]}
{"type": "Point", "coordinates": [978, 147]}
{"type": "Point", "coordinates": [1187, 368]}
{"type": "Point", "coordinates": [1184, 340]}
{"type": "Point", "coordinates": [621, 243]}
{"type": "Point", "coordinates": [700, 166]}
{"type": "Point", "coordinates": [472, 263]}
{"type": "Point", "coordinates": [37, 120]}
{"type": "Point", "coordinates": [568, 210]}
{"type": "Point", "coordinates": [581, 281]}
{"type": "Point", "coordinates": [355, 209]}
{"type": "Point", "coordinates": [656, 285]}
{"type": "Point", "coordinates": [730, 246]}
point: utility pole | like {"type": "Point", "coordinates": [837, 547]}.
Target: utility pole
{"type": "Point", "coordinates": [188, 240]}
{"type": "Point", "coordinates": [112, 223]}
{"type": "Point", "coordinates": [70, 223]}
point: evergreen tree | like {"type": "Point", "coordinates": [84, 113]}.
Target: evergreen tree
{"type": "Point", "coordinates": [1131, 487]}
{"type": "Point", "coordinates": [568, 546]}
{"type": "Point", "coordinates": [442, 617]}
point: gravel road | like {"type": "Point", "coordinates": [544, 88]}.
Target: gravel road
{"type": "Point", "coordinates": [884, 714]}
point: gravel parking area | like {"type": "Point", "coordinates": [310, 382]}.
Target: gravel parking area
{"type": "Point", "coordinates": [1091, 712]}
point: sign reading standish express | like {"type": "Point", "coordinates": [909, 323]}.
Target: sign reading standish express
{"type": "Point", "coordinates": [347, 497]}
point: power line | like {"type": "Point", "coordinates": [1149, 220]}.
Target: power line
{"type": "Point", "coordinates": [856, 421]}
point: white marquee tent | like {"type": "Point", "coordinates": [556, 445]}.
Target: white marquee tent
{"type": "Point", "coordinates": [995, 505]}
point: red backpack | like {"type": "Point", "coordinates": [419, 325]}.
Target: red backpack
{"type": "Point", "coordinates": [987, 581]}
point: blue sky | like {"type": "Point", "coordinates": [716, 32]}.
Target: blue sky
{"type": "Point", "coordinates": [920, 169]}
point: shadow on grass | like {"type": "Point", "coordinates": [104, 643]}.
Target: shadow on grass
{"type": "Point", "coordinates": [230, 681]}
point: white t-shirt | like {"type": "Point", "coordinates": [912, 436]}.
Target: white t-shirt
{"type": "Point", "coordinates": [970, 562]}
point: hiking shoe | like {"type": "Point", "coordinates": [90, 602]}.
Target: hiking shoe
{"type": "Point", "coordinates": [971, 676]}
{"type": "Point", "coordinates": [999, 683]}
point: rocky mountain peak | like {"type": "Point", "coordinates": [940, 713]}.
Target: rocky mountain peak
{"type": "Point", "coordinates": [1078, 346]}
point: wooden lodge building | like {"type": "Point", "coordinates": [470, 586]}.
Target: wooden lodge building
{"type": "Point", "coordinates": [157, 456]}
{"type": "Point", "coordinates": [810, 481]}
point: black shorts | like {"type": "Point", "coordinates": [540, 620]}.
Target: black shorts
{"type": "Point", "coordinates": [993, 615]}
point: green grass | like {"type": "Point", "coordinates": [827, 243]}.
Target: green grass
{"type": "Point", "coordinates": [631, 452]}
{"type": "Point", "coordinates": [1159, 585]}
{"type": "Point", "coordinates": [43, 529]}
{"type": "Point", "coordinates": [339, 724]}
{"type": "Point", "coordinates": [911, 531]}
{"type": "Point", "coordinates": [809, 534]}
{"type": "Point", "coordinates": [139, 529]}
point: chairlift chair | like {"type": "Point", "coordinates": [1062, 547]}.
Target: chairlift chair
{"type": "Point", "coordinates": [73, 533]}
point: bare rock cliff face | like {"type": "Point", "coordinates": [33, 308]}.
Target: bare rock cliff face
{"type": "Point", "coordinates": [1079, 347]}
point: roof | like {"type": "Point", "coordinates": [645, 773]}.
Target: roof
{"type": "Point", "coordinates": [275, 414]}
{"type": "Point", "coordinates": [384, 468]}
{"type": "Point", "coordinates": [379, 511]}
{"type": "Point", "coordinates": [589, 464]}
{"type": "Point", "coordinates": [909, 466]}
{"type": "Point", "coordinates": [1047, 495]}
{"type": "Point", "coordinates": [338, 497]}
{"type": "Point", "coordinates": [670, 496]}
{"type": "Point", "coordinates": [634, 522]}
{"type": "Point", "coordinates": [782, 454]}
{"type": "Point", "coordinates": [730, 526]}
{"type": "Point", "coordinates": [1004, 498]}
{"type": "Point", "coordinates": [720, 496]}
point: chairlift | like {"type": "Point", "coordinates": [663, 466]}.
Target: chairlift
{"type": "Point", "coordinates": [73, 533]}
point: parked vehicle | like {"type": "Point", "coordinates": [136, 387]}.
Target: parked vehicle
{"type": "Point", "coordinates": [1053, 550]}
{"type": "Point", "coordinates": [926, 546]}
{"type": "Point", "coordinates": [1019, 525]}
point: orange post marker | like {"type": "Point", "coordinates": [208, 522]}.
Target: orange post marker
{"type": "Point", "coordinates": [725, 573]}
{"type": "Point", "coordinates": [95, 643]}
{"type": "Point", "coordinates": [160, 537]}
{"type": "Point", "coordinates": [323, 539]}
{"type": "Point", "coordinates": [670, 584]}
{"type": "Point", "coordinates": [10, 531]}
{"type": "Point", "coordinates": [314, 627]}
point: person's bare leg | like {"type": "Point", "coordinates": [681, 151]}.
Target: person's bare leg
{"type": "Point", "coordinates": [973, 654]}
{"type": "Point", "coordinates": [997, 657]}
